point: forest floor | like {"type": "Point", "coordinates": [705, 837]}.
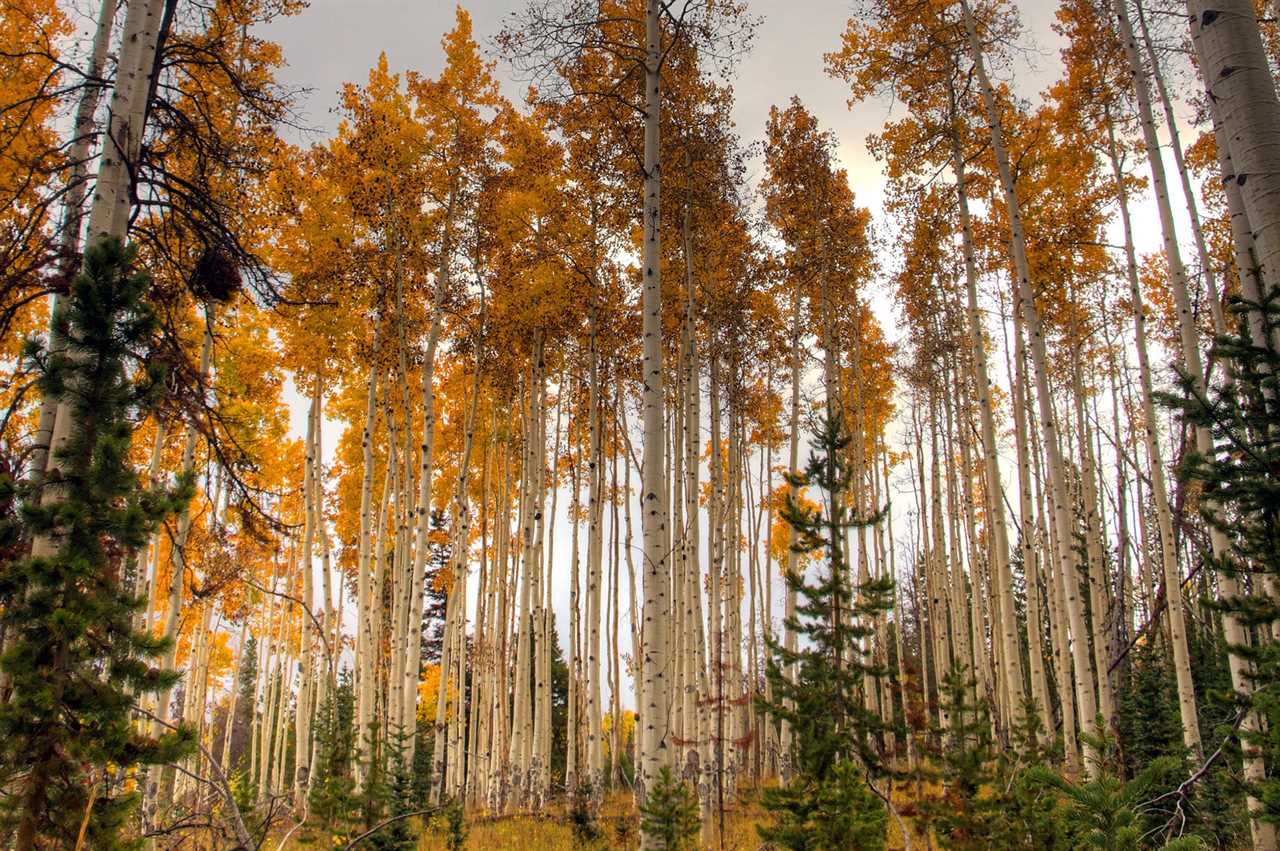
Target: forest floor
{"type": "Point", "coordinates": [616, 828]}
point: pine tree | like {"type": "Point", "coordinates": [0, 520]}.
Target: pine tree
{"type": "Point", "coordinates": [74, 659]}
{"type": "Point", "coordinates": [837, 740]}
{"type": "Point", "coordinates": [451, 823]}
{"type": "Point", "coordinates": [1147, 721]}
{"type": "Point", "coordinates": [1240, 484]}
{"type": "Point", "coordinates": [333, 803]}
{"type": "Point", "coordinates": [397, 798]}
{"type": "Point", "coordinates": [1030, 809]}
{"type": "Point", "coordinates": [971, 811]}
{"type": "Point", "coordinates": [669, 815]}
{"type": "Point", "coordinates": [1106, 811]}
{"type": "Point", "coordinates": [240, 727]}
{"type": "Point", "coordinates": [437, 595]}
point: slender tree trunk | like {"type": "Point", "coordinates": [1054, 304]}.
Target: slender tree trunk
{"type": "Point", "coordinates": [1190, 356]}
{"type": "Point", "coordinates": [654, 704]}
{"type": "Point", "coordinates": [364, 590]}
{"type": "Point", "coordinates": [1233, 61]}
{"type": "Point", "coordinates": [1048, 421]}
{"type": "Point", "coordinates": [178, 560]}
{"type": "Point", "coordinates": [1011, 671]}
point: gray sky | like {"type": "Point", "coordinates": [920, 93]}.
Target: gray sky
{"type": "Point", "coordinates": [338, 41]}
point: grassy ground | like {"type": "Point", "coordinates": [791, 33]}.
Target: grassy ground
{"type": "Point", "coordinates": [617, 828]}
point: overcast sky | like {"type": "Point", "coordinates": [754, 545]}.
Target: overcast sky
{"type": "Point", "coordinates": [337, 41]}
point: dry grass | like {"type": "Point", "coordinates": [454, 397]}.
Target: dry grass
{"type": "Point", "coordinates": [551, 831]}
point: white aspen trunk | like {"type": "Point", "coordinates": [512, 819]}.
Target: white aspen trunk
{"type": "Point", "coordinates": [144, 620]}
{"type": "Point", "coordinates": [1250, 267]}
{"type": "Point", "coordinates": [456, 673]}
{"type": "Point", "coordinates": [698, 760]}
{"type": "Point", "coordinates": [654, 704]}
{"type": "Point", "coordinates": [110, 211]}
{"type": "Point", "coordinates": [898, 678]}
{"type": "Point", "coordinates": [628, 547]}
{"type": "Point", "coordinates": [522, 709]}
{"type": "Point", "coordinates": [1191, 361]}
{"type": "Point", "coordinates": [573, 719]}
{"type": "Point", "coordinates": [377, 619]}
{"type": "Point", "coordinates": [879, 501]}
{"type": "Point", "coordinates": [224, 759]}
{"type": "Point", "coordinates": [200, 697]}
{"type": "Point", "coordinates": [1234, 64]}
{"type": "Point", "coordinates": [1184, 174]}
{"type": "Point", "coordinates": [302, 725]}
{"type": "Point", "coordinates": [716, 695]}
{"type": "Point", "coordinates": [1098, 599]}
{"type": "Point", "coordinates": [926, 608]}
{"type": "Point", "coordinates": [78, 153]}
{"type": "Point", "coordinates": [426, 450]}
{"type": "Point", "coordinates": [178, 561]}
{"type": "Point", "coordinates": [109, 216]}
{"type": "Point", "coordinates": [920, 564]}
{"type": "Point", "coordinates": [945, 654]}
{"type": "Point", "coordinates": [1251, 288]}
{"type": "Point", "coordinates": [542, 789]}
{"type": "Point", "coordinates": [615, 648]}
{"type": "Point", "coordinates": [278, 737]}
{"type": "Point", "coordinates": [1048, 423]}
{"type": "Point", "coordinates": [595, 553]}
{"type": "Point", "coordinates": [686, 452]}
{"type": "Point", "coordinates": [364, 593]}
{"type": "Point", "coordinates": [792, 564]}
{"type": "Point", "coordinates": [330, 619]}
{"type": "Point", "coordinates": [262, 741]}
{"type": "Point", "coordinates": [964, 653]}
{"type": "Point", "coordinates": [1010, 671]}
{"type": "Point", "coordinates": [186, 713]}
{"type": "Point", "coordinates": [1125, 596]}
{"type": "Point", "coordinates": [540, 667]}
{"type": "Point", "coordinates": [502, 630]}
{"type": "Point", "coordinates": [765, 518]}
{"type": "Point", "coordinates": [993, 688]}
{"type": "Point", "coordinates": [732, 586]}
{"type": "Point", "coordinates": [440, 729]}
{"type": "Point", "coordinates": [1027, 545]}
{"type": "Point", "coordinates": [478, 757]}
{"type": "Point", "coordinates": [262, 680]}
{"type": "Point", "coordinates": [397, 565]}
{"type": "Point", "coordinates": [680, 536]}
{"type": "Point", "coordinates": [1047, 539]}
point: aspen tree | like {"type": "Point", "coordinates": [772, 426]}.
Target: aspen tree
{"type": "Point", "coordinates": [1252, 287]}
{"type": "Point", "coordinates": [364, 581]}
{"type": "Point", "coordinates": [1011, 673]}
{"type": "Point", "coordinates": [1184, 173]}
{"type": "Point", "coordinates": [178, 557]}
{"type": "Point", "coordinates": [1084, 687]}
{"type": "Point", "coordinates": [109, 213]}
{"type": "Point", "coordinates": [78, 153]}
{"type": "Point", "coordinates": [302, 726]}
{"type": "Point", "coordinates": [1027, 548]}
{"type": "Point", "coordinates": [654, 703]}
{"type": "Point", "coordinates": [224, 759]}
{"type": "Point", "coordinates": [1191, 360]}
{"type": "Point", "coordinates": [1234, 65]}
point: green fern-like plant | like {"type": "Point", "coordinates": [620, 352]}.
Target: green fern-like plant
{"type": "Point", "coordinates": [1107, 812]}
